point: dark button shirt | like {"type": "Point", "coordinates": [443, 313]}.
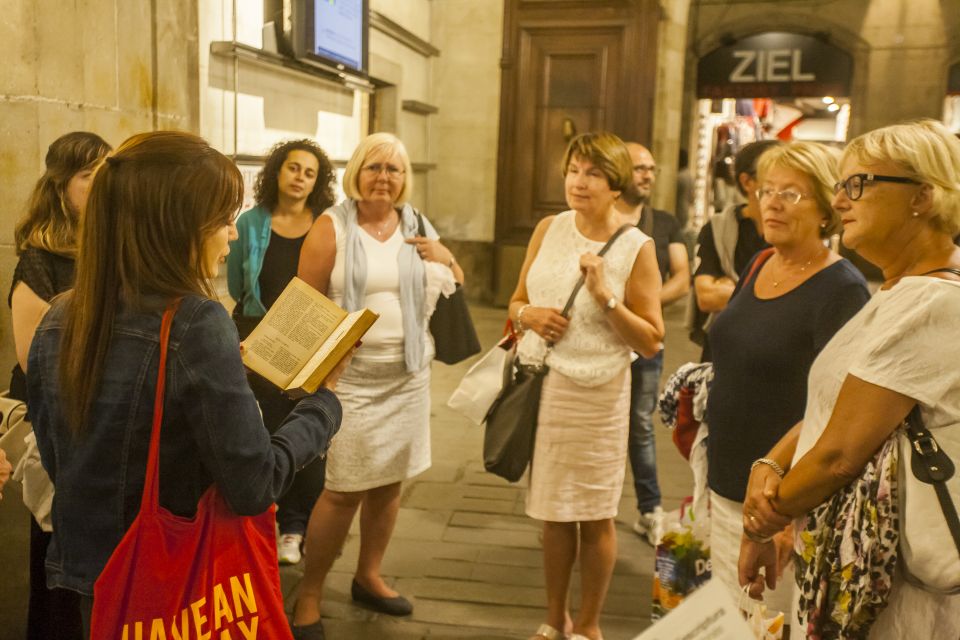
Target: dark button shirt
{"type": "Point", "coordinates": [749, 242]}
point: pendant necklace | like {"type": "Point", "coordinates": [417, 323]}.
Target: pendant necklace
{"type": "Point", "coordinates": [776, 282]}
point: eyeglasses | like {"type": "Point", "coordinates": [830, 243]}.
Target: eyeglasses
{"type": "Point", "coordinates": [787, 195]}
{"type": "Point", "coordinates": [376, 168]}
{"type": "Point", "coordinates": [646, 168]}
{"type": "Point", "coordinates": [853, 185]}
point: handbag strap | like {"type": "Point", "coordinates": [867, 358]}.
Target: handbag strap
{"type": "Point", "coordinates": [932, 465]}
{"type": "Point", "coordinates": [576, 289]}
{"type": "Point", "coordinates": [150, 500]}
{"type": "Point", "coordinates": [759, 262]}
{"type": "Point", "coordinates": [952, 270]}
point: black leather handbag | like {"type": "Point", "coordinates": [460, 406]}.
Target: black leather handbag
{"type": "Point", "coordinates": [451, 326]}
{"type": "Point", "coordinates": [512, 420]}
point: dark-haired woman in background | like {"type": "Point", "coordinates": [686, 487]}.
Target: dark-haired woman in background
{"type": "Point", "coordinates": [46, 243]}
{"type": "Point", "coordinates": [294, 187]}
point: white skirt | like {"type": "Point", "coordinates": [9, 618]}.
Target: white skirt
{"type": "Point", "coordinates": [579, 459]}
{"type": "Point", "coordinates": [385, 434]}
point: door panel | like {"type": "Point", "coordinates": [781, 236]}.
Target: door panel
{"type": "Point", "coordinates": [568, 67]}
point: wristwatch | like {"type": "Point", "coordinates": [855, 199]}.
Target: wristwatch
{"type": "Point", "coordinates": [611, 304]}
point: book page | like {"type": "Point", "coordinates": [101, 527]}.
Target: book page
{"type": "Point", "coordinates": [336, 346]}
{"type": "Point", "coordinates": [291, 332]}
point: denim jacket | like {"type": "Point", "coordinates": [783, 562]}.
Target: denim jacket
{"type": "Point", "coordinates": [212, 432]}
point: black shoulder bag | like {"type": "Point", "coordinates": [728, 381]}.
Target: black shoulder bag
{"type": "Point", "coordinates": [512, 420]}
{"type": "Point", "coordinates": [451, 326]}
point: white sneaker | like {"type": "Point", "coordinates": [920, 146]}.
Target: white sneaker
{"type": "Point", "coordinates": [288, 548]}
{"type": "Point", "coordinates": [650, 525]}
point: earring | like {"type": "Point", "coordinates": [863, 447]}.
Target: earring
{"type": "Point", "coordinates": [823, 225]}
{"type": "Point", "coordinates": [916, 214]}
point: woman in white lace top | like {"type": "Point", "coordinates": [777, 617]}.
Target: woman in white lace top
{"type": "Point", "coordinates": [581, 444]}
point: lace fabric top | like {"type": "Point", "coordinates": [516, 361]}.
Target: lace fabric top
{"type": "Point", "coordinates": [591, 353]}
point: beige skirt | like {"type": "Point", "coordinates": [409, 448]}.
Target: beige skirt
{"type": "Point", "coordinates": [579, 459]}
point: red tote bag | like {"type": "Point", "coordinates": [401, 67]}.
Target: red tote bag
{"type": "Point", "coordinates": [211, 576]}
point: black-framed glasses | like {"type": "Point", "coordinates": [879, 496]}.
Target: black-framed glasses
{"type": "Point", "coordinates": [853, 185]}
{"type": "Point", "coordinates": [393, 172]}
{"type": "Point", "coordinates": [787, 195]}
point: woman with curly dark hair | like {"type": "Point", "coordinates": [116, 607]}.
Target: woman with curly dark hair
{"type": "Point", "coordinates": [294, 187]}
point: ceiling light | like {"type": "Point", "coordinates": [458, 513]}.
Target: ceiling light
{"type": "Point", "coordinates": [833, 107]}
{"type": "Point", "coordinates": [828, 100]}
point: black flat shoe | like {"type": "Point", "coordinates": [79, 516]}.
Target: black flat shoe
{"type": "Point", "coordinates": [395, 606]}
{"type": "Point", "coordinates": [308, 632]}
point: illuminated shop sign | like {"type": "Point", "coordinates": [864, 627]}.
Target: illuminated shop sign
{"type": "Point", "coordinates": [774, 65]}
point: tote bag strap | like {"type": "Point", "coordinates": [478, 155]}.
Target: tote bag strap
{"type": "Point", "coordinates": [150, 500]}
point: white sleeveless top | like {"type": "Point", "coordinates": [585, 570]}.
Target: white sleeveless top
{"type": "Point", "coordinates": [591, 353]}
{"type": "Point", "coordinates": [384, 341]}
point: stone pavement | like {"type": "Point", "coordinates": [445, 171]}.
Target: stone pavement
{"type": "Point", "coordinates": [463, 551]}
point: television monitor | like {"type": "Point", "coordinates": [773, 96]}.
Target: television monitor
{"type": "Point", "coordinates": [332, 32]}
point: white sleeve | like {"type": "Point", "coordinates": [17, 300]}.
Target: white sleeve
{"type": "Point", "coordinates": [914, 347]}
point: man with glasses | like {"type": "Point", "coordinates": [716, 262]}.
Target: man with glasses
{"type": "Point", "coordinates": [725, 246]}
{"type": "Point", "coordinates": [667, 234]}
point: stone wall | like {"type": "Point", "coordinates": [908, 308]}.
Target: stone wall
{"type": "Point", "coordinates": [114, 67]}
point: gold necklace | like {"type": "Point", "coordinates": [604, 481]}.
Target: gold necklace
{"type": "Point", "coordinates": [776, 282]}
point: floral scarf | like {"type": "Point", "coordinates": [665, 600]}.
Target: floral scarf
{"type": "Point", "coordinates": [846, 552]}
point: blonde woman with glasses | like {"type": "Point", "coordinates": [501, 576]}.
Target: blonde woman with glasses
{"type": "Point", "coordinates": [367, 252]}
{"type": "Point", "coordinates": [791, 300]}
{"type": "Point", "coordinates": [898, 198]}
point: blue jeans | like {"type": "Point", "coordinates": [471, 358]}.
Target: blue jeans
{"type": "Point", "coordinates": [641, 444]}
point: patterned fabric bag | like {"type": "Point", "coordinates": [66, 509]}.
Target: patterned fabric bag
{"type": "Point", "coordinates": [846, 552]}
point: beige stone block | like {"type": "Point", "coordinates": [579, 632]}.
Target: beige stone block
{"type": "Point", "coordinates": [412, 15]}
{"type": "Point", "coordinates": [98, 26]}
{"type": "Point", "coordinates": [177, 68]}
{"type": "Point", "coordinates": [18, 48]}
{"type": "Point", "coordinates": [54, 120]}
{"type": "Point", "coordinates": [21, 163]}
{"type": "Point", "coordinates": [60, 46]}
{"type": "Point", "coordinates": [134, 62]}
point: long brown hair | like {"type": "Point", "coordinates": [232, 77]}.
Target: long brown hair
{"type": "Point", "coordinates": [152, 205]}
{"type": "Point", "coordinates": [50, 222]}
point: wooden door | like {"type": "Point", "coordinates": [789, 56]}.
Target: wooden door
{"type": "Point", "coordinates": [568, 67]}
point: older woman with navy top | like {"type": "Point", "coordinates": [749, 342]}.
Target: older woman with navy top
{"type": "Point", "coordinates": [793, 299]}
{"type": "Point", "coordinates": [294, 187]}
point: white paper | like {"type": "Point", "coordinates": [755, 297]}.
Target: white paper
{"type": "Point", "coordinates": [707, 614]}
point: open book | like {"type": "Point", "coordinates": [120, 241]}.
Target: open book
{"type": "Point", "coordinates": [302, 338]}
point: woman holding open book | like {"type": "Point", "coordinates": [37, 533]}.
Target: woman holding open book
{"type": "Point", "coordinates": [365, 252]}
{"type": "Point", "coordinates": [155, 229]}
{"type": "Point", "coordinates": [293, 188]}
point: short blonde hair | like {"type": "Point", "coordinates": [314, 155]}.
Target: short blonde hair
{"type": "Point", "coordinates": [926, 152]}
{"type": "Point", "coordinates": [819, 163]}
{"type": "Point", "coordinates": [372, 144]}
{"type": "Point", "coordinates": [608, 153]}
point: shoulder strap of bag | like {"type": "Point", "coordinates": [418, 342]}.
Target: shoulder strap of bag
{"type": "Point", "coordinates": [761, 258]}
{"type": "Point", "coordinates": [421, 228]}
{"type": "Point", "coordinates": [952, 270]}
{"type": "Point", "coordinates": [576, 289]}
{"type": "Point", "coordinates": [931, 465]}
{"type": "Point", "coordinates": [645, 223]}
{"type": "Point", "coordinates": [150, 500]}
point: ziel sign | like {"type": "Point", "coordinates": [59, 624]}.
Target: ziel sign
{"type": "Point", "coordinates": [774, 65]}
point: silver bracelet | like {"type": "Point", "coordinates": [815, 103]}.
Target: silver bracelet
{"type": "Point", "coordinates": [520, 326]}
{"type": "Point", "coordinates": [770, 463]}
